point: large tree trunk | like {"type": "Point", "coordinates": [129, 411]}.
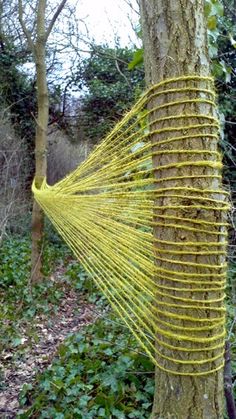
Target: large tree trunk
{"type": "Point", "coordinates": [40, 141]}
{"type": "Point", "coordinates": [175, 44]}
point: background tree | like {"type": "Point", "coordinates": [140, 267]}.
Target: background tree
{"type": "Point", "coordinates": [109, 88]}
{"type": "Point", "coordinates": [170, 30]}
{"type": "Point", "coordinates": [16, 89]}
{"type": "Point", "coordinates": [38, 49]}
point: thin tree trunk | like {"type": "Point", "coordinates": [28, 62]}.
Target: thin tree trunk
{"type": "Point", "coordinates": [40, 162]}
{"type": "Point", "coordinates": [40, 141]}
{"type": "Point", "coordinates": [175, 44]}
{"type": "Point", "coordinates": [38, 49]}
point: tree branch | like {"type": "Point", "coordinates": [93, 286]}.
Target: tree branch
{"type": "Point", "coordinates": [54, 18]}
{"type": "Point", "coordinates": [122, 74]}
{"type": "Point", "coordinates": [107, 55]}
{"type": "Point", "coordinates": [130, 4]}
{"type": "Point", "coordinates": [24, 28]}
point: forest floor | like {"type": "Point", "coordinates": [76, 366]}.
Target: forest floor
{"type": "Point", "coordinates": [64, 353]}
{"type": "Point", "coordinates": [22, 363]}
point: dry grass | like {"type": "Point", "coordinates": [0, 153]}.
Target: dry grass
{"type": "Point", "coordinates": [64, 156]}
{"type": "Point", "coordinates": [14, 163]}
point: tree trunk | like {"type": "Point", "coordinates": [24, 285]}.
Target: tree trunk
{"type": "Point", "coordinates": [40, 141]}
{"type": "Point", "coordinates": [38, 49]}
{"type": "Point", "coordinates": [175, 44]}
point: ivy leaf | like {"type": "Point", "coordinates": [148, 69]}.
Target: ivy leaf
{"type": "Point", "coordinates": [213, 8]}
{"type": "Point", "coordinates": [137, 59]}
{"type": "Point", "coordinates": [217, 8]}
{"type": "Point", "coordinates": [217, 69]}
{"type": "Point", "coordinates": [207, 8]}
{"type": "Point", "coordinates": [17, 341]}
{"type": "Point", "coordinates": [212, 23]}
{"type": "Point", "coordinates": [118, 414]}
{"type": "Point", "coordinates": [213, 50]}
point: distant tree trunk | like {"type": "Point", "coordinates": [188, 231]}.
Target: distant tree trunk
{"type": "Point", "coordinates": [40, 141]}
{"type": "Point", "coordinates": [175, 44]}
{"type": "Point", "coordinates": [38, 49]}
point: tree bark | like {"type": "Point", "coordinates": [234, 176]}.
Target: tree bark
{"type": "Point", "coordinates": [175, 44]}
{"type": "Point", "coordinates": [40, 141]}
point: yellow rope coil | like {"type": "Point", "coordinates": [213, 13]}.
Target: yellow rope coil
{"type": "Point", "coordinates": [169, 292]}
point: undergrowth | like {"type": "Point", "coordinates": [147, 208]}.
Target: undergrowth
{"type": "Point", "coordinates": [19, 301]}
{"type": "Point", "coordinates": [99, 372]}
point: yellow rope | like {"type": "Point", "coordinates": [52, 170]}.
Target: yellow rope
{"type": "Point", "coordinates": [169, 293]}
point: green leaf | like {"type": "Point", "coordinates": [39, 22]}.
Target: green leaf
{"type": "Point", "coordinates": [102, 412]}
{"type": "Point", "coordinates": [137, 59]}
{"type": "Point", "coordinates": [110, 381]}
{"type": "Point", "coordinates": [83, 401]}
{"type": "Point", "coordinates": [212, 23]}
{"type": "Point", "coordinates": [213, 50]}
{"type": "Point", "coordinates": [118, 414]}
{"type": "Point", "coordinates": [213, 8]}
{"type": "Point", "coordinates": [207, 8]}
{"type": "Point", "coordinates": [17, 341]}
{"type": "Point", "coordinates": [59, 416]}
{"type": "Point", "coordinates": [108, 351]}
{"type": "Point", "coordinates": [217, 8]}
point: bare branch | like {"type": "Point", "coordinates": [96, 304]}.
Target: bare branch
{"type": "Point", "coordinates": [24, 28]}
{"type": "Point", "coordinates": [54, 18]}
{"type": "Point", "coordinates": [107, 55]}
{"type": "Point", "coordinates": [122, 74]}
{"type": "Point", "coordinates": [131, 5]}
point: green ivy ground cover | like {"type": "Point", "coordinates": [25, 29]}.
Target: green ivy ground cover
{"type": "Point", "coordinates": [99, 372]}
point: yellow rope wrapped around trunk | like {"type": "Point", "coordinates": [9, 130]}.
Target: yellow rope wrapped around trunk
{"type": "Point", "coordinates": [107, 209]}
